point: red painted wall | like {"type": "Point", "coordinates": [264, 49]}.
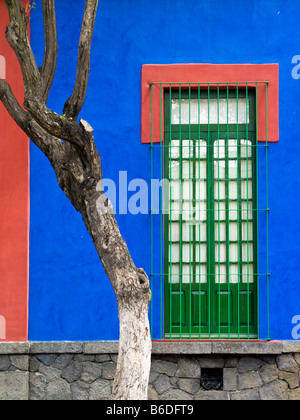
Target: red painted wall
{"type": "Point", "coordinates": [14, 204]}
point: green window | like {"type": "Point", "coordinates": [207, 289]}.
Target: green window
{"type": "Point", "coordinates": [210, 254]}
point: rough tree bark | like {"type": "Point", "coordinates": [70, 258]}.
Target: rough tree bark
{"type": "Point", "coordinates": [70, 147]}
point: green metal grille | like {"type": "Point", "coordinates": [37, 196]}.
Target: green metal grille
{"type": "Point", "coordinates": [208, 217]}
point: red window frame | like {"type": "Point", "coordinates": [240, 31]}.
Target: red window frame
{"type": "Point", "coordinates": [192, 74]}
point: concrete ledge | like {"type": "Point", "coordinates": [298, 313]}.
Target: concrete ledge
{"type": "Point", "coordinates": [159, 347]}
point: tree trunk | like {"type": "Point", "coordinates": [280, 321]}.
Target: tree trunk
{"type": "Point", "coordinates": [132, 289]}
{"type": "Point", "coordinates": [133, 369]}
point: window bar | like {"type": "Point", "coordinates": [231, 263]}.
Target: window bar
{"type": "Point", "coordinates": [180, 216]}
{"type": "Point", "coordinates": [256, 216]}
{"type": "Point", "coordinates": [170, 267]}
{"type": "Point", "coordinates": [219, 214]}
{"type": "Point", "coordinates": [267, 214]}
{"type": "Point", "coordinates": [248, 279]}
{"type": "Point", "coordinates": [227, 210]}
{"type": "Point", "coordinates": [152, 255]}
{"type": "Point", "coordinates": [199, 215]}
{"type": "Point", "coordinates": [240, 253]}
{"type": "Point", "coordinates": [210, 216]}
{"type": "Point", "coordinates": [161, 217]}
{"type": "Point", "coordinates": [190, 221]}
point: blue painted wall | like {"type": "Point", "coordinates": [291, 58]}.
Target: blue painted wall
{"type": "Point", "coordinates": [70, 297]}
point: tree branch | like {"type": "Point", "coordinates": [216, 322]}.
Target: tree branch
{"type": "Point", "coordinates": [17, 36]}
{"type": "Point", "coordinates": [48, 144]}
{"type": "Point", "coordinates": [48, 68]}
{"type": "Point", "coordinates": [74, 104]}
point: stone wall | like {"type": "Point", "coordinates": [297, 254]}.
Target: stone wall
{"type": "Point", "coordinates": [85, 371]}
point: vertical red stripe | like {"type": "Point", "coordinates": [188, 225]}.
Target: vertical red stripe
{"type": "Point", "coordinates": [14, 204]}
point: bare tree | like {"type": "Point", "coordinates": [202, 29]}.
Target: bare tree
{"type": "Point", "coordinates": [70, 147]}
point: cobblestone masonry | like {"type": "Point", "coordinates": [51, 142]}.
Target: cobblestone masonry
{"type": "Point", "coordinates": [77, 375]}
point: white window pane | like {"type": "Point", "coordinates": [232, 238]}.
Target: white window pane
{"type": "Point", "coordinates": [220, 253]}
{"type": "Point", "coordinates": [187, 211]}
{"type": "Point", "coordinates": [246, 190]}
{"type": "Point", "coordinates": [201, 253]}
{"type": "Point", "coordinates": [174, 276]}
{"type": "Point", "coordinates": [233, 190]}
{"type": "Point", "coordinates": [220, 169]}
{"type": "Point", "coordinates": [187, 232]}
{"type": "Point", "coordinates": [201, 274]}
{"type": "Point", "coordinates": [175, 211]}
{"type": "Point", "coordinates": [200, 187]}
{"type": "Point", "coordinates": [247, 271]}
{"type": "Point", "coordinates": [187, 149]}
{"type": "Point", "coordinates": [187, 170]}
{"type": "Point", "coordinates": [174, 170]}
{"type": "Point", "coordinates": [232, 169]}
{"type": "Point", "coordinates": [246, 169]}
{"type": "Point", "coordinates": [233, 252]}
{"type": "Point", "coordinates": [220, 211]}
{"type": "Point", "coordinates": [174, 255]}
{"type": "Point", "coordinates": [233, 211]}
{"type": "Point", "coordinates": [187, 190]}
{"type": "Point", "coordinates": [220, 271]}
{"type": "Point", "coordinates": [222, 111]}
{"type": "Point", "coordinates": [175, 189]}
{"type": "Point", "coordinates": [200, 170]}
{"type": "Point", "coordinates": [187, 272]}
{"type": "Point", "coordinates": [233, 273]}
{"type": "Point", "coordinates": [220, 191]}
{"type": "Point", "coordinates": [247, 231]}
{"type": "Point", "coordinates": [219, 149]}
{"type": "Point", "coordinates": [174, 232]}
{"type": "Point", "coordinates": [247, 252]}
{"type": "Point", "coordinates": [200, 149]}
{"type": "Point", "coordinates": [201, 233]}
{"type": "Point", "coordinates": [200, 211]}
{"type": "Point", "coordinates": [246, 149]}
{"type": "Point", "coordinates": [233, 231]}
{"type": "Point", "coordinates": [175, 149]}
{"type": "Point", "coordinates": [187, 253]}
{"type": "Point", "coordinates": [232, 148]}
{"type": "Point", "coordinates": [246, 210]}
{"type": "Point", "coordinates": [220, 231]}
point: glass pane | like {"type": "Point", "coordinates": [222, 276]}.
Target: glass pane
{"type": "Point", "coordinates": [174, 274]}
{"type": "Point", "coordinates": [247, 271]}
{"type": "Point", "coordinates": [200, 170]}
{"type": "Point", "coordinates": [201, 273]}
{"type": "Point", "coordinates": [246, 149]}
{"type": "Point", "coordinates": [247, 231]}
{"type": "Point", "coordinates": [233, 273]}
{"type": "Point", "coordinates": [233, 252]}
{"type": "Point", "coordinates": [220, 231]}
{"type": "Point", "coordinates": [201, 233]}
{"type": "Point", "coordinates": [220, 211]}
{"type": "Point", "coordinates": [233, 231]}
{"type": "Point", "coordinates": [220, 253]}
{"type": "Point", "coordinates": [223, 111]}
{"type": "Point", "coordinates": [187, 271]}
{"type": "Point", "coordinates": [200, 148]}
{"type": "Point", "coordinates": [246, 190]}
{"type": "Point", "coordinates": [220, 271]}
{"type": "Point", "coordinates": [174, 253]}
{"type": "Point", "coordinates": [201, 253]}
{"type": "Point", "coordinates": [220, 191]}
{"type": "Point", "coordinates": [200, 187]}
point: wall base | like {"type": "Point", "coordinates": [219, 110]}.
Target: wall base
{"type": "Point", "coordinates": [85, 371]}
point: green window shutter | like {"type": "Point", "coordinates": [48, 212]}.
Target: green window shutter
{"type": "Point", "coordinates": [210, 229]}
